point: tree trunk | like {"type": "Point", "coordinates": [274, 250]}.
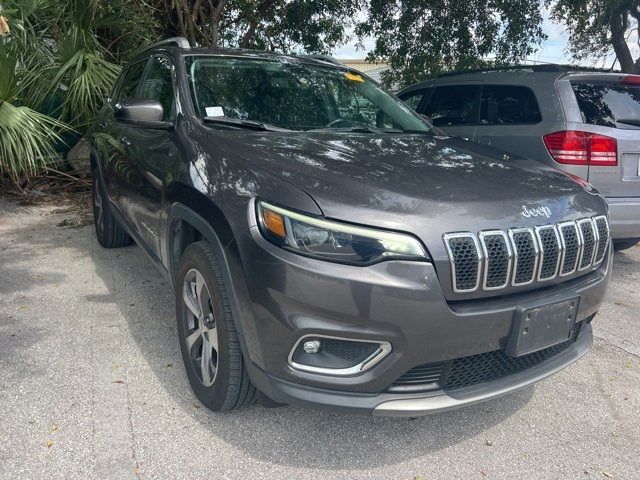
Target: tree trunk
{"type": "Point", "coordinates": [264, 6]}
{"type": "Point", "coordinates": [619, 43]}
{"type": "Point", "coordinates": [216, 17]}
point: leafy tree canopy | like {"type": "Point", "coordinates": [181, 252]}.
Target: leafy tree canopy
{"type": "Point", "coordinates": [420, 38]}
{"type": "Point", "coordinates": [283, 25]}
{"type": "Point", "coordinates": [599, 27]}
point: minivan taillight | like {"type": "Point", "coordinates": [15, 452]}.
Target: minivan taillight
{"type": "Point", "coordinates": [573, 147]}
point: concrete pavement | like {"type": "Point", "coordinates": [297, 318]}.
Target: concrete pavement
{"type": "Point", "coordinates": [92, 386]}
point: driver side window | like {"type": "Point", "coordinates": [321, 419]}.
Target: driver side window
{"type": "Point", "coordinates": [129, 85]}
{"type": "Point", "coordinates": [158, 85]}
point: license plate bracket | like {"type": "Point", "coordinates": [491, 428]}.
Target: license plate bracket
{"type": "Point", "coordinates": [539, 327]}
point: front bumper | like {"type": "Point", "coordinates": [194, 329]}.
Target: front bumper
{"type": "Point", "coordinates": [287, 296]}
{"type": "Point", "coordinates": [624, 217]}
{"type": "Point", "coordinates": [411, 405]}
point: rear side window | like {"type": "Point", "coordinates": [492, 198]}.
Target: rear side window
{"type": "Point", "coordinates": [608, 105]}
{"type": "Point", "coordinates": [158, 85]}
{"type": "Point", "coordinates": [130, 82]}
{"type": "Point", "coordinates": [454, 105]}
{"type": "Point", "coordinates": [508, 105]}
{"type": "Point", "coordinates": [414, 98]}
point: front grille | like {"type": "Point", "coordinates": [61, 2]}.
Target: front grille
{"type": "Point", "coordinates": [468, 371]}
{"type": "Point", "coordinates": [475, 369]}
{"type": "Point", "coordinates": [521, 256]}
{"type": "Point", "coordinates": [422, 377]}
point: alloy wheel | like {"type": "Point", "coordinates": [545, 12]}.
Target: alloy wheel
{"type": "Point", "coordinates": [201, 332]}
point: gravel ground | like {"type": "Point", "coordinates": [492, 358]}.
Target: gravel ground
{"type": "Point", "coordinates": [92, 386]}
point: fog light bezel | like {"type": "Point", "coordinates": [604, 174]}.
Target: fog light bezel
{"type": "Point", "coordinates": [384, 348]}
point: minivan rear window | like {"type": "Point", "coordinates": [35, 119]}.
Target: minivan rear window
{"type": "Point", "coordinates": [608, 105]}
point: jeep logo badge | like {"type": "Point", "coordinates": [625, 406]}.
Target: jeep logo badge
{"type": "Point", "coordinates": [536, 212]}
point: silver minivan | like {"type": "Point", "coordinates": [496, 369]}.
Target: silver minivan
{"type": "Point", "coordinates": [583, 122]}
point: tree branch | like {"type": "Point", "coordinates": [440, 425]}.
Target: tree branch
{"type": "Point", "coordinates": [620, 46]}
{"type": "Point", "coordinates": [264, 7]}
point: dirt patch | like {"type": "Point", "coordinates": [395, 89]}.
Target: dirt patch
{"type": "Point", "coordinates": [69, 194]}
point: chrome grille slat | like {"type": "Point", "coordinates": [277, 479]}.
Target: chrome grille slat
{"type": "Point", "coordinates": [588, 238]}
{"type": "Point", "coordinates": [496, 259]}
{"type": "Point", "coordinates": [526, 254]}
{"type": "Point", "coordinates": [550, 252]}
{"type": "Point", "coordinates": [465, 257]}
{"type": "Point", "coordinates": [571, 247]}
{"type": "Point", "coordinates": [604, 235]}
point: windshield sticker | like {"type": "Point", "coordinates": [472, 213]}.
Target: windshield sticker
{"type": "Point", "coordinates": [354, 77]}
{"type": "Point", "coordinates": [214, 111]}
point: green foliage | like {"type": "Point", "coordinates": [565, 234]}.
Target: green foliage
{"type": "Point", "coordinates": [27, 136]}
{"type": "Point", "coordinates": [282, 25]}
{"type": "Point", "coordinates": [72, 50]}
{"type": "Point", "coordinates": [421, 38]}
{"type": "Point", "coordinates": [598, 28]}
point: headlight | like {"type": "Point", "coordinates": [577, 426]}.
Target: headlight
{"type": "Point", "coordinates": [334, 241]}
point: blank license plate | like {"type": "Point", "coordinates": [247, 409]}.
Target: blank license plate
{"type": "Point", "coordinates": [542, 326]}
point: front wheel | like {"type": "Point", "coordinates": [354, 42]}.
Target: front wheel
{"type": "Point", "coordinates": [208, 339]}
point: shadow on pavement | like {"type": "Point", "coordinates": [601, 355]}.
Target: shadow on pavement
{"type": "Point", "coordinates": [289, 436]}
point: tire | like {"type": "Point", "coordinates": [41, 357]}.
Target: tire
{"type": "Point", "coordinates": [205, 324]}
{"type": "Point", "coordinates": [619, 245]}
{"type": "Point", "coordinates": [109, 232]}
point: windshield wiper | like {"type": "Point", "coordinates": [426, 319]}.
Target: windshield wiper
{"type": "Point", "coordinates": [356, 129]}
{"type": "Point", "coordinates": [248, 124]}
{"type": "Point", "coordinates": [629, 121]}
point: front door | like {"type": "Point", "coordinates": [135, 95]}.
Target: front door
{"type": "Point", "coordinates": [149, 153]}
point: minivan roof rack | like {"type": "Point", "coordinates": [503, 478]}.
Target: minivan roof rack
{"type": "Point", "coordinates": [541, 67]}
{"type": "Point", "coordinates": [179, 42]}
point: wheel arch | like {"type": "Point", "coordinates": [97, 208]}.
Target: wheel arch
{"type": "Point", "coordinates": [202, 219]}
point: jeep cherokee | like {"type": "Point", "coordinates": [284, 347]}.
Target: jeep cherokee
{"type": "Point", "coordinates": [327, 247]}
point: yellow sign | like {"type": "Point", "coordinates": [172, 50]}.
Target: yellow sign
{"type": "Point", "coordinates": [354, 77]}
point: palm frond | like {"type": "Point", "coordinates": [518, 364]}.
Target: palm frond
{"type": "Point", "coordinates": [27, 140]}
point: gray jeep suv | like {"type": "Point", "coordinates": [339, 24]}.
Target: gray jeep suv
{"type": "Point", "coordinates": [327, 248]}
{"type": "Point", "coordinates": [583, 122]}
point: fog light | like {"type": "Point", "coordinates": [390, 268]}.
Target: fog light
{"type": "Point", "coordinates": [312, 346]}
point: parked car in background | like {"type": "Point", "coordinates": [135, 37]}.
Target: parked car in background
{"type": "Point", "coordinates": [328, 249]}
{"type": "Point", "coordinates": [583, 122]}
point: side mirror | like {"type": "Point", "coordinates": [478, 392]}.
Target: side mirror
{"type": "Point", "coordinates": [145, 112]}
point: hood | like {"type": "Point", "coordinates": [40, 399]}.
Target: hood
{"type": "Point", "coordinates": [416, 183]}
{"type": "Point", "coordinates": [422, 184]}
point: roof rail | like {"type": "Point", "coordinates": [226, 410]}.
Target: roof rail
{"type": "Point", "coordinates": [542, 67]}
{"type": "Point", "coordinates": [179, 42]}
{"type": "Point", "coordinates": [324, 58]}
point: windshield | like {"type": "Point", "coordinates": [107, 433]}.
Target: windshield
{"type": "Point", "coordinates": [294, 95]}
{"type": "Point", "coordinates": [607, 104]}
